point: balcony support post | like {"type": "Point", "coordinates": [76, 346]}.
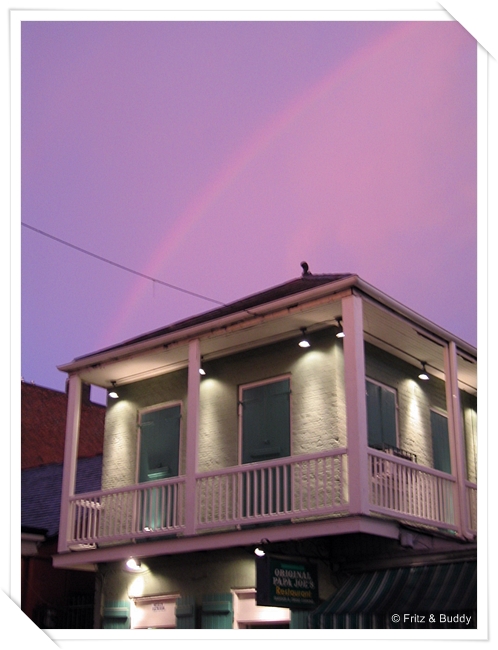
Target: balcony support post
{"type": "Point", "coordinates": [356, 405]}
{"type": "Point", "coordinates": [193, 401]}
{"type": "Point", "coordinates": [70, 460]}
{"type": "Point", "coordinates": [456, 438]}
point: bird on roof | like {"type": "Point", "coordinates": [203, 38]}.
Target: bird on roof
{"type": "Point", "coordinates": [306, 268]}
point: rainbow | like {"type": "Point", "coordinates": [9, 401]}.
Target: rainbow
{"type": "Point", "coordinates": [233, 169]}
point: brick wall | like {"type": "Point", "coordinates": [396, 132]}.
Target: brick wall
{"type": "Point", "coordinates": [43, 426]}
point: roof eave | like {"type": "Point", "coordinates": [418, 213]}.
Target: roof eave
{"type": "Point", "coordinates": [351, 282]}
{"type": "Point", "coordinates": [196, 331]}
{"type": "Point", "coordinates": [413, 316]}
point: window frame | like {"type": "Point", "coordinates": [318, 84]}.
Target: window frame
{"type": "Point", "coordinates": [151, 409]}
{"type": "Point", "coordinates": [444, 414]}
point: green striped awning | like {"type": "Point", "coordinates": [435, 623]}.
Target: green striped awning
{"type": "Point", "coordinates": [369, 600]}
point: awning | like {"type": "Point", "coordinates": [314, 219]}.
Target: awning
{"type": "Point", "coordinates": [369, 600]}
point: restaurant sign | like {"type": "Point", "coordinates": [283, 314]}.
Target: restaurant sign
{"type": "Point", "coordinates": [286, 583]}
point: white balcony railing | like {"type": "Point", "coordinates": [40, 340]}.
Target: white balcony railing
{"type": "Point", "coordinates": [293, 488]}
{"type": "Point", "coordinates": [149, 509]}
{"type": "Point", "coordinates": [286, 488]}
{"type": "Point", "coordinates": [410, 491]}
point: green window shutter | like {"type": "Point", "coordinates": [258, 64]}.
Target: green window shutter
{"type": "Point", "coordinates": [116, 615]}
{"type": "Point", "coordinates": [185, 613]}
{"type": "Point", "coordinates": [381, 416]}
{"type": "Point", "coordinates": [374, 419]}
{"type": "Point", "coordinates": [265, 436]}
{"type": "Point", "coordinates": [389, 417]}
{"type": "Point", "coordinates": [299, 620]}
{"type": "Point", "coordinates": [217, 612]}
{"type": "Point", "coordinates": [266, 421]}
{"type": "Point", "coordinates": [440, 442]}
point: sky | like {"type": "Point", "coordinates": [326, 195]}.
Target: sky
{"type": "Point", "coordinates": [217, 156]}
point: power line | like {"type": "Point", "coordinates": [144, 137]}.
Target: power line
{"type": "Point", "coordinates": [120, 266]}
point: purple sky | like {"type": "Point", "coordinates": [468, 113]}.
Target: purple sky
{"type": "Point", "coordinates": [217, 156]}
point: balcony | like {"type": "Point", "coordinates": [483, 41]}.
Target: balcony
{"type": "Point", "coordinates": [338, 485]}
{"type": "Point", "coordinates": [296, 489]}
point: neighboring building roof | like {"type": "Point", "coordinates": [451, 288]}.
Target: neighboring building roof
{"type": "Point", "coordinates": [43, 426]}
{"type": "Point", "coordinates": [30, 530]}
{"type": "Point", "coordinates": [305, 282]}
{"type": "Point", "coordinates": [41, 489]}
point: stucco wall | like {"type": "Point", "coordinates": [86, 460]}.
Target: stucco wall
{"type": "Point", "coordinates": [317, 405]}
{"type": "Point", "coordinates": [318, 417]}
{"type": "Point", "coordinates": [415, 399]}
{"type": "Point", "coordinates": [195, 574]}
{"type": "Point", "coordinates": [317, 397]}
{"type": "Point", "coordinates": [120, 440]}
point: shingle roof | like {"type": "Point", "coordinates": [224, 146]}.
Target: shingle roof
{"type": "Point", "coordinates": [305, 282]}
{"type": "Point", "coordinates": [41, 489]}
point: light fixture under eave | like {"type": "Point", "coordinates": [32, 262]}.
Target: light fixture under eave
{"type": "Point", "coordinates": [113, 393]}
{"type": "Point", "coordinates": [132, 564]}
{"type": "Point", "coordinates": [423, 375]}
{"type": "Point", "coordinates": [260, 550]}
{"type": "Point", "coordinates": [201, 369]}
{"type": "Point", "coordinates": [340, 333]}
{"type": "Point", "coordinates": [304, 343]}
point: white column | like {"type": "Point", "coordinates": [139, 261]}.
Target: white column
{"type": "Point", "coordinates": [193, 400]}
{"type": "Point", "coordinates": [456, 437]}
{"type": "Point", "coordinates": [356, 404]}
{"type": "Point", "coordinates": [70, 459]}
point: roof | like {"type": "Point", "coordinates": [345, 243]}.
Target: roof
{"type": "Point", "coordinates": [310, 301]}
{"type": "Point", "coordinates": [298, 285]}
{"type": "Point", "coordinates": [41, 489]}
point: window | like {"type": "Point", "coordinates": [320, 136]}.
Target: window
{"type": "Point", "coordinates": [381, 415]}
{"type": "Point", "coordinates": [159, 443]}
{"type": "Point", "coordinates": [440, 442]}
{"type": "Point", "coordinates": [158, 459]}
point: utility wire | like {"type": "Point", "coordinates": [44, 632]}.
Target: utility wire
{"type": "Point", "coordinates": [120, 266]}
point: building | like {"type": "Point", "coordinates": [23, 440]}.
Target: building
{"type": "Point", "coordinates": [43, 425]}
{"type": "Point", "coordinates": [319, 422]}
{"type": "Point", "coordinates": [51, 597]}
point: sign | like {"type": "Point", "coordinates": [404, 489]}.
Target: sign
{"type": "Point", "coordinates": [286, 583]}
{"type": "Point", "coordinates": [154, 611]}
